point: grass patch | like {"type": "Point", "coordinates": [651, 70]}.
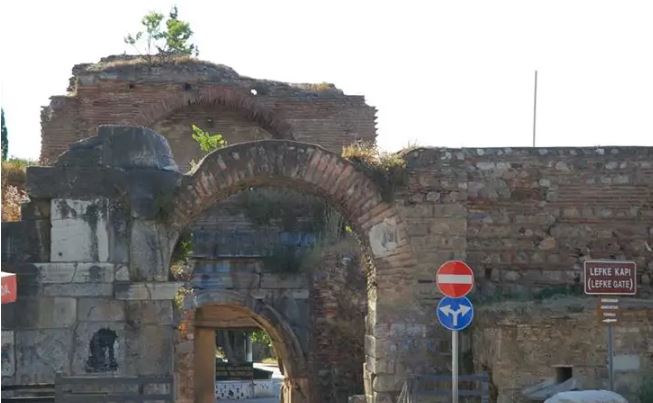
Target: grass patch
{"type": "Point", "coordinates": [13, 171]}
{"type": "Point", "coordinates": [387, 170]}
{"type": "Point", "coordinates": [119, 61]}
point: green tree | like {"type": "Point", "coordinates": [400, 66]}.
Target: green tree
{"type": "Point", "coordinates": [173, 39]}
{"type": "Point", "coordinates": [5, 139]}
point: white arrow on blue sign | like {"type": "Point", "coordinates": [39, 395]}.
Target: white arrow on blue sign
{"type": "Point", "coordinates": [455, 313]}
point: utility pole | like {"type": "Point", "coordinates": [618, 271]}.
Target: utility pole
{"type": "Point", "coordinates": [534, 108]}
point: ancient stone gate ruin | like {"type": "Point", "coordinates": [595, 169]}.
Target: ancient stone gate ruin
{"type": "Point", "coordinates": [94, 247]}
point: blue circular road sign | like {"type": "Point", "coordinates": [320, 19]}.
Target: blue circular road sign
{"type": "Point", "coordinates": [455, 313]}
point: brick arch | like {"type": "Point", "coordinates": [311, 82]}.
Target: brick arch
{"type": "Point", "coordinates": [312, 169]}
{"type": "Point", "coordinates": [238, 99]}
{"type": "Point", "coordinates": [302, 167]}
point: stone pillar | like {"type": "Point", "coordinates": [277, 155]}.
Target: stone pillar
{"type": "Point", "coordinates": [248, 348]}
{"type": "Point", "coordinates": [204, 365]}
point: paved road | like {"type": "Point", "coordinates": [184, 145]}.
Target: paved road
{"type": "Point", "coordinates": [276, 374]}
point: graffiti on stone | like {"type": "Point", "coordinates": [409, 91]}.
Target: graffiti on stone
{"type": "Point", "coordinates": [102, 352]}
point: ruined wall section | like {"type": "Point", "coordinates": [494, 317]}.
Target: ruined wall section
{"type": "Point", "coordinates": [60, 123]}
{"type": "Point", "coordinates": [243, 243]}
{"type": "Point", "coordinates": [526, 219]}
{"type": "Point", "coordinates": [232, 125]}
{"type": "Point", "coordinates": [534, 216]}
{"type": "Point", "coordinates": [90, 302]}
{"type": "Point", "coordinates": [119, 90]}
{"type": "Point", "coordinates": [521, 344]}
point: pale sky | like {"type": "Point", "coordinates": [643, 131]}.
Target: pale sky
{"type": "Point", "coordinates": [441, 73]}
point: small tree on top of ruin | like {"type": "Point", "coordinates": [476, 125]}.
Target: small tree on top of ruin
{"type": "Point", "coordinates": [171, 40]}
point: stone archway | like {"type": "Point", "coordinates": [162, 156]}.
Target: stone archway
{"type": "Point", "coordinates": [220, 304]}
{"type": "Point", "coordinates": [310, 168]}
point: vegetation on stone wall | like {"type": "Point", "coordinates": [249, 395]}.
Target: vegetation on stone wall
{"type": "Point", "coordinates": [387, 170]}
{"type": "Point", "coordinates": [180, 268]}
{"type": "Point", "coordinates": [181, 295]}
{"type": "Point", "coordinates": [13, 187]}
{"type": "Point", "coordinates": [172, 39]}
{"type": "Point", "coordinates": [267, 206]}
{"type": "Point", "coordinates": [292, 212]}
{"type": "Point", "coordinates": [207, 142]}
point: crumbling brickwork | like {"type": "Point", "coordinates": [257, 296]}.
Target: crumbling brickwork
{"type": "Point", "coordinates": [338, 308]}
{"type": "Point", "coordinates": [172, 96]}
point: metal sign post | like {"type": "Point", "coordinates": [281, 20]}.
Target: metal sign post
{"type": "Point", "coordinates": [455, 279]}
{"type": "Point", "coordinates": [611, 278]}
{"type": "Point", "coordinates": [610, 355]}
{"type": "Point", "coordinates": [608, 308]}
{"type": "Point", "coordinates": [455, 314]}
{"type": "Point", "coordinates": [454, 366]}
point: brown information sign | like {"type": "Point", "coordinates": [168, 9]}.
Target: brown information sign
{"type": "Point", "coordinates": [610, 277]}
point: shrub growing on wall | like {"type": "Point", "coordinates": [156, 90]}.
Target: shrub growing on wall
{"type": "Point", "coordinates": [387, 170]}
{"type": "Point", "coordinates": [13, 185]}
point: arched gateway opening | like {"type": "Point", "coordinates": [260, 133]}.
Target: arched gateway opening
{"type": "Point", "coordinates": [309, 169]}
{"type": "Point", "coordinates": [226, 310]}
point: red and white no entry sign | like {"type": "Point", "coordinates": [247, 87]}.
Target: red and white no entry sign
{"type": "Point", "coordinates": [455, 279]}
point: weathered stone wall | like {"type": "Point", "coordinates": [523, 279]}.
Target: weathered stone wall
{"type": "Point", "coordinates": [171, 97]}
{"type": "Point", "coordinates": [59, 319]}
{"type": "Point", "coordinates": [522, 217]}
{"type": "Point", "coordinates": [526, 219]}
{"type": "Point", "coordinates": [89, 300]}
{"type": "Point", "coordinates": [534, 216]}
{"type": "Point", "coordinates": [521, 343]}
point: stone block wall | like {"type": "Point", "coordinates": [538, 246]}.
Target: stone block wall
{"type": "Point", "coordinates": [84, 318]}
{"type": "Point", "coordinates": [534, 216]}
{"type": "Point", "coordinates": [521, 344]}
{"type": "Point", "coordinates": [89, 303]}
{"type": "Point", "coordinates": [526, 219]}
